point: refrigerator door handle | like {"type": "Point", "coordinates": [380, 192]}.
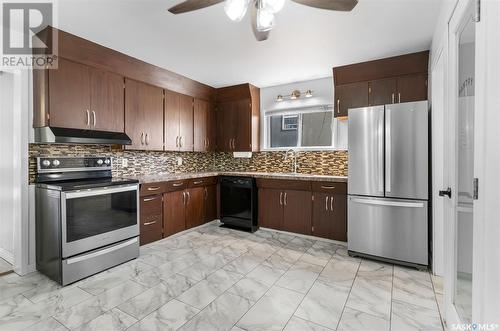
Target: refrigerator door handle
{"type": "Point", "coordinates": [388, 203]}
{"type": "Point", "coordinates": [381, 153]}
{"type": "Point", "coordinates": [388, 155]}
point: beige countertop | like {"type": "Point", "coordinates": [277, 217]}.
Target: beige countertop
{"type": "Point", "coordinates": [164, 177]}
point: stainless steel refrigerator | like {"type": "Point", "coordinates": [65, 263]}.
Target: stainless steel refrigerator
{"type": "Point", "coordinates": [388, 182]}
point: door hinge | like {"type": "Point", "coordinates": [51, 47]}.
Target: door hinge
{"type": "Point", "coordinates": [477, 14]}
{"type": "Point", "coordinates": [475, 190]}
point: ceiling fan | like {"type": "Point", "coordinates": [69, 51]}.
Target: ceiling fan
{"type": "Point", "coordinates": [262, 11]}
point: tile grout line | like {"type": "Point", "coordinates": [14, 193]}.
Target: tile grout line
{"type": "Point", "coordinates": [348, 295]}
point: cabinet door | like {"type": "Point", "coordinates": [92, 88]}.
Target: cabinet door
{"type": "Point", "coordinates": [271, 209]}
{"type": "Point", "coordinates": [186, 123]}
{"type": "Point", "coordinates": [201, 122]}
{"type": "Point", "coordinates": [144, 115]}
{"type": "Point", "coordinates": [107, 101]}
{"type": "Point", "coordinates": [339, 217]}
{"type": "Point", "coordinates": [322, 217]}
{"type": "Point", "coordinates": [412, 88]}
{"type": "Point", "coordinates": [174, 212]}
{"type": "Point", "coordinates": [347, 96]}
{"type": "Point", "coordinates": [242, 123]}
{"type": "Point", "coordinates": [210, 204]}
{"type": "Point", "coordinates": [172, 121]}
{"type": "Point", "coordinates": [151, 228]}
{"type": "Point", "coordinates": [69, 95]}
{"type": "Point", "coordinates": [211, 128]}
{"type": "Point", "coordinates": [226, 126]}
{"type": "Point", "coordinates": [297, 211]}
{"type": "Point", "coordinates": [194, 206]}
{"type": "Point", "coordinates": [382, 92]}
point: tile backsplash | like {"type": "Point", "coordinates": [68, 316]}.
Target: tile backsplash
{"type": "Point", "coordinates": [143, 162]}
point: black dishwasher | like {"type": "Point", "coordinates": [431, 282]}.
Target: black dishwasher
{"type": "Point", "coordinates": [239, 202]}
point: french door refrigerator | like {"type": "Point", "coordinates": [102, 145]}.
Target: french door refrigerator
{"type": "Point", "coordinates": [388, 183]}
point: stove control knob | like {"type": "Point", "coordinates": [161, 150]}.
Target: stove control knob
{"type": "Point", "coordinates": [46, 163]}
{"type": "Point", "coordinates": [99, 162]}
{"type": "Point", "coordinates": [56, 163]}
{"type": "Point", "coordinates": [107, 161]}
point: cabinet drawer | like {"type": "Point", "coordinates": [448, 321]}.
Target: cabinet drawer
{"type": "Point", "coordinates": [151, 205]}
{"type": "Point", "coordinates": [152, 188]}
{"type": "Point", "coordinates": [284, 184]}
{"type": "Point", "coordinates": [205, 181]}
{"type": "Point", "coordinates": [152, 223]}
{"type": "Point", "coordinates": [330, 187]}
{"type": "Point", "coordinates": [176, 185]}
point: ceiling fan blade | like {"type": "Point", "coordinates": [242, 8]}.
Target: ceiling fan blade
{"type": "Point", "coordinates": [340, 5]}
{"type": "Point", "coordinates": [191, 5]}
{"type": "Point", "coordinates": [259, 35]}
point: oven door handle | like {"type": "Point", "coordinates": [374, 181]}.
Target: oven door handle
{"type": "Point", "coordinates": [100, 191]}
{"type": "Point", "coordinates": [101, 252]}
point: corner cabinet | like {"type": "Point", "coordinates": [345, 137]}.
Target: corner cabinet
{"type": "Point", "coordinates": [238, 117]}
{"type": "Point", "coordinates": [380, 82]}
{"type": "Point", "coordinates": [144, 115]}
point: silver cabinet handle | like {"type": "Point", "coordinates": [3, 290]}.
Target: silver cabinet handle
{"type": "Point", "coordinates": [180, 141]}
{"type": "Point", "coordinates": [281, 198]}
{"type": "Point", "coordinates": [393, 98]}
{"type": "Point", "coordinates": [147, 138]}
{"type": "Point", "coordinates": [388, 156]}
{"type": "Point", "coordinates": [142, 138]}
{"type": "Point", "coordinates": [338, 106]}
{"type": "Point", "coordinates": [327, 187]}
{"type": "Point", "coordinates": [331, 203]}
{"type": "Point", "coordinates": [94, 117]}
{"type": "Point", "coordinates": [150, 199]}
{"type": "Point", "coordinates": [153, 188]}
{"type": "Point", "coordinates": [184, 198]}
{"type": "Point", "coordinates": [188, 197]}
{"type": "Point", "coordinates": [149, 223]}
{"type": "Point", "coordinates": [177, 141]}
{"type": "Point", "coordinates": [206, 193]}
{"type": "Point", "coordinates": [177, 184]}
{"type": "Point", "coordinates": [284, 201]}
{"type": "Point", "coordinates": [399, 97]}
{"type": "Point", "coordinates": [88, 117]}
{"type": "Point", "coordinates": [197, 182]}
{"type": "Point", "coordinates": [326, 203]}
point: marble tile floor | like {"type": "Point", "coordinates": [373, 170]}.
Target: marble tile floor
{"type": "Point", "coordinates": [212, 278]}
{"type": "Point", "coordinates": [5, 267]}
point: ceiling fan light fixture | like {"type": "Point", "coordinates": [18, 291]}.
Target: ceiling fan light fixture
{"type": "Point", "coordinates": [236, 9]}
{"type": "Point", "coordinates": [265, 19]}
{"type": "Point", "coordinates": [273, 6]}
{"type": "Point", "coordinates": [309, 94]}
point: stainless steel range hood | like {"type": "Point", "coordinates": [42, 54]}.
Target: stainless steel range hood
{"type": "Point", "coordinates": [54, 135]}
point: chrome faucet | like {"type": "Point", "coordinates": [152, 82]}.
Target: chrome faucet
{"type": "Point", "coordinates": [295, 165]}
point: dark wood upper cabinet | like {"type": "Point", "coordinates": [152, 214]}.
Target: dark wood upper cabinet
{"type": "Point", "coordinates": [69, 95]}
{"type": "Point", "coordinates": [144, 115]}
{"type": "Point", "coordinates": [297, 211]}
{"type": "Point", "coordinates": [203, 126]}
{"type": "Point", "coordinates": [238, 116]}
{"type": "Point", "coordinates": [107, 101]}
{"type": "Point", "coordinates": [178, 122]}
{"type": "Point", "coordinates": [412, 88]}
{"type": "Point", "coordinates": [379, 82]}
{"type": "Point", "coordinates": [382, 91]}
{"type": "Point", "coordinates": [352, 95]}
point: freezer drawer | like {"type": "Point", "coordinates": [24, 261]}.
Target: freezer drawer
{"type": "Point", "coordinates": [388, 228]}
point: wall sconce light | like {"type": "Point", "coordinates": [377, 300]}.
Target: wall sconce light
{"type": "Point", "coordinates": [296, 94]}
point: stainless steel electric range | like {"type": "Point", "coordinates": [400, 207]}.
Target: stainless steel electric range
{"type": "Point", "coordinates": [86, 220]}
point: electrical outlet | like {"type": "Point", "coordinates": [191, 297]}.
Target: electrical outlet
{"type": "Point", "coordinates": [124, 163]}
{"type": "Point", "coordinates": [179, 161]}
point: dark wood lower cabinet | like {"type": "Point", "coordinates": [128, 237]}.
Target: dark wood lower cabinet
{"type": "Point", "coordinates": [271, 208]}
{"type": "Point", "coordinates": [194, 206]}
{"type": "Point", "coordinates": [329, 216]}
{"type": "Point", "coordinates": [210, 204]}
{"type": "Point", "coordinates": [174, 219]}
{"type": "Point", "coordinates": [297, 211]}
{"type": "Point", "coordinates": [151, 227]}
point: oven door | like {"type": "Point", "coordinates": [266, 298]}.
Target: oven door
{"type": "Point", "coordinates": [98, 217]}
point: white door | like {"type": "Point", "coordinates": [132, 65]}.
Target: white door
{"type": "Point", "coordinates": [459, 169]}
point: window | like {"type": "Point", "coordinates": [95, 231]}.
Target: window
{"type": "Point", "coordinates": [303, 128]}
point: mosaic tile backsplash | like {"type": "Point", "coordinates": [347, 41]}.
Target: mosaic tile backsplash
{"type": "Point", "coordinates": [144, 162]}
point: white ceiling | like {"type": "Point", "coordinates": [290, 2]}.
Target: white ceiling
{"type": "Point", "coordinates": [206, 46]}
